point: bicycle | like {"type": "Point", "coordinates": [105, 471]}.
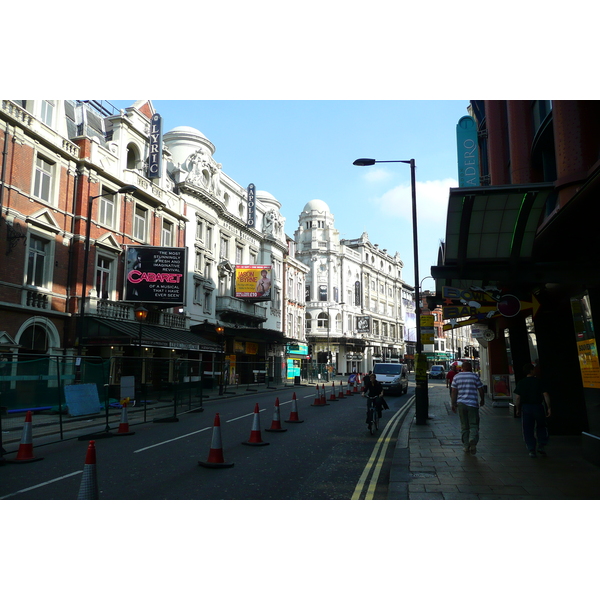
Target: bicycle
{"type": "Point", "coordinates": [373, 414]}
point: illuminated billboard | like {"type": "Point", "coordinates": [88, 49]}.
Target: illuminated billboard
{"type": "Point", "coordinates": [253, 282]}
{"type": "Point", "coordinates": [155, 274]}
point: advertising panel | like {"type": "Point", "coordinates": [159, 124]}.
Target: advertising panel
{"type": "Point", "coordinates": [253, 282]}
{"type": "Point", "coordinates": [155, 154]}
{"type": "Point", "coordinates": [251, 220]}
{"type": "Point", "coordinates": [155, 274]}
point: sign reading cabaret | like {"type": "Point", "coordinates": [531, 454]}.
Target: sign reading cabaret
{"type": "Point", "coordinates": [155, 274]}
{"type": "Point", "coordinates": [253, 282]}
{"type": "Point", "coordinates": [155, 154]}
{"type": "Point", "coordinates": [251, 221]}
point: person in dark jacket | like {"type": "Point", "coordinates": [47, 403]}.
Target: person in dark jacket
{"type": "Point", "coordinates": [374, 394]}
{"type": "Point", "coordinates": [532, 401]}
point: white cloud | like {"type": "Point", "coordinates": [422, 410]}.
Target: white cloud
{"type": "Point", "coordinates": [432, 201]}
{"type": "Point", "coordinates": [376, 175]}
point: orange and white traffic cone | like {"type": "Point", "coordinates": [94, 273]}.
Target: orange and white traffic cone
{"type": "Point", "coordinates": [124, 424]}
{"type": "Point", "coordinates": [276, 422]}
{"type": "Point", "coordinates": [319, 399]}
{"type": "Point", "coordinates": [25, 453]}
{"type": "Point", "coordinates": [341, 393]}
{"type": "Point", "coordinates": [215, 459]}
{"type": "Point", "coordinates": [294, 412]}
{"type": "Point", "coordinates": [88, 490]}
{"type": "Point", "coordinates": [348, 390]}
{"type": "Point", "coordinates": [255, 437]}
{"type": "Point", "coordinates": [333, 396]}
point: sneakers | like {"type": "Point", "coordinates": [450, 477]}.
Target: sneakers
{"type": "Point", "coordinates": [473, 449]}
{"type": "Point", "coordinates": [532, 454]}
{"type": "Point", "coordinates": [541, 451]}
{"type": "Point", "coordinates": [466, 448]}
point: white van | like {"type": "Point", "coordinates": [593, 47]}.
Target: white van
{"type": "Point", "coordinates": [392, 376]}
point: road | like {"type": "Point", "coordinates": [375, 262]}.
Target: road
{"type": "Point", "coordinates": [330, 456]}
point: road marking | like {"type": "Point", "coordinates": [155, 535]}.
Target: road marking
{"type": "Point", "coordinates": [33, 487]}
{"type": "Point", "coordinates": [171, 440]}
{"type": "Point", "coordinates": [377, 457]}
{"type": "Point", "coordinates": [244, 416]}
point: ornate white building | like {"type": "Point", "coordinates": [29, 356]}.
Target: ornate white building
{"type": "Point", "coordinates": [354, 294]}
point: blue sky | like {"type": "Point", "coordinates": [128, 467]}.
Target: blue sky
{"type": "Point", "coordinates": [303, 150]}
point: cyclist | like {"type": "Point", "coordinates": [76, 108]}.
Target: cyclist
{"type": "Point", "coordinates": [375, 401]}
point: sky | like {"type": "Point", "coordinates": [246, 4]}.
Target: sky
{"type": "Point", "coordinates": [303, 150]}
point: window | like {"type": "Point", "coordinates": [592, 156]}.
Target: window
{"type": "Point", "coordinates": [323, 293]}
{"type": "Point", "coordinates": [290, 324]}
{"type": "Point", "coordinates": [198, 262]}
{"type": "Point", "coordinates": [37, 262]}
{"type": "Point", "coordinates": [207, 302]}
{"type": "Point", "coordinates": [323, 321]}
{"type": "Point", "coordinates": [140, 221]}
{"type": "Point", "coordinates": [47, 112]}
{"type": "Point", "coordinates": [167, 234]}
{"type": "Point", "coordinates": [252, 260]}
{"type": "Point", "coordinates": [132, 157]}
{"type": "Point", "coordinates": [199, 230]}
{"type": "Point", "coordinates": [207, 269]}
{"type": "Point", "coordinates": [208, 244]}
{"type": "Point", "coordinates": [104, 277]}
{"type": "Point", "coordinates": [43, 178]}
{"type": "Point", "coordinates": [224, 248]}
{"type": "Point", "coordinates": [239, 252]}
{"type": "Point", "coordinates": [308, 321]}
{"type": "Point", "coordinates": [106, 211]}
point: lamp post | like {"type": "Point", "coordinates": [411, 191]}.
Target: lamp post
{"type": "Point", "coordinates": [141, 314]}
{"type": "Point", "coordinates": [421, 392]}
{"type": "Point", "coordinates": [86, 256]}
{"type": "Point", "coordinates": [221, 333]}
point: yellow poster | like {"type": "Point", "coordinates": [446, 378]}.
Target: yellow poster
{"type": "Point", "coordinates": [588, 363]}
{"type": "Point", "coordinates": [253, 281]}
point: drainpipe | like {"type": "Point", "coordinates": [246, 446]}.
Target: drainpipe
{"type": "Point", "coordinates": [4, 157]}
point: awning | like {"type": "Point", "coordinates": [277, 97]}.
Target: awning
{"type": "Point", "coordinates": [101, 332]}
{"type": "Point", "coordinates": [490, 233]}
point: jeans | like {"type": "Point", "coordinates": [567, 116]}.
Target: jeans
{"type": "Point", "coordinates": [469, 424]}
{"type": "Point", "coordinates": [534, 425]}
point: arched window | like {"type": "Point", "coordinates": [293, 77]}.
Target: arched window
{"type": "Point", "coordinates": [308, 321]}
{"type": "Point", "coordinates": [133, 157]}
{"type": "Point", "coordinates": [338, 323]}
{"type": "Point", "coordinates": [322, 321]}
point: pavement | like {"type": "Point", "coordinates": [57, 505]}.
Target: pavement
{"type": "Point", "coordinates": [430, 464]}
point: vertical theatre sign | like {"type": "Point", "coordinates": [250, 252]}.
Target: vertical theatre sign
{"type": "Point", "coordinates": [251, 221]}
{"type": "Point", "coordinates": [468, 152]}
{"type": "Point", "coordinates": [155, 154]}
{"type": "Point", "coordinates": [155, 274]}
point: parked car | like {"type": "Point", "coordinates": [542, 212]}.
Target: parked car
{"type": "Point", "coordinates": [437, 372]}
{"type": "Point", "coordinates": [392, 376]}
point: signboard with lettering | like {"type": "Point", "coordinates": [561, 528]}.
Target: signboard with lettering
{"type": "Point", "coordinates": [155, 154]}
{"type": "Point", "coordinates": [468, 152]}
{"type": "Point", "coordinates": [251, 220]}
{"type": "Point", "coordinates": [298, 348]}
{"type": "Point", "coordinates": [427, 329]}
{"type": "Point", "coordinates": [155, 274]}
{"type": "Point", "coordinates": [253, 282]}
{"type": "Point", "coordinates": [363, 324]}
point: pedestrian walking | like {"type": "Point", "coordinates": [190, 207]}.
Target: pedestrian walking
{"type": "Point", "coordinates": [532, 403]}
{"type": "Point", "coordinates": [450, 376]}
{"type": "Point", "coordinates": [465, 390]}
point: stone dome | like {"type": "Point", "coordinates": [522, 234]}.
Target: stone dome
{"type": "Point", "coordinates": [317, 205]}
{"type": "Point", "coordinates": [183, 141]}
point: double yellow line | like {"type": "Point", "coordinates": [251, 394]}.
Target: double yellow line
{"type": "Point", "coordinates": [377, 457]}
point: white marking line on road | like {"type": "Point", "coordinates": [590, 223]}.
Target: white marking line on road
{"type": "Point", "coordinates": [379, 450]}
{"type": "Point", "coordinates": [33, 487]}
{"type": "Point", "coordinates": [244, 416]}
{"type": "Point", "coordinates": [171, 440]}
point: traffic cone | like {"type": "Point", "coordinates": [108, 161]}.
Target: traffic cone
{"type": "Point", "coordinates": [348, 391]}
{"type": "Point", "coordinates": [215, 455]}
{"type": "Point", "coordinates": [276, 422]}
{"type": "Point", "coordinates": [25, 453]}
{"type": "Point", "coordinates": [319, 399]}
{"type": "Point", "coordinates": [88, 490]}
{"type": "Point", "coordinates": [124, 424]}
{"type": "Point", "coordinates": [341, 393]}
{"type": "Point", "coordinates": [333, 396]}
{"type": "Point", "coordinates": [294, 412]}
{"type": "Point", "coordinates": [255, 437]}
{"type": "Point", "coordinates": [323, 393]}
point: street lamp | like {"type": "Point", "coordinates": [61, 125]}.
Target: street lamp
{"type": "Point", "coordinates": [141, 314]}
{"type": "Point", "coordinates": [221, 333]}
{"type": "Point", "coordinates": [421, 392]}
{"type": "Point", "coordinates": [86, 256]}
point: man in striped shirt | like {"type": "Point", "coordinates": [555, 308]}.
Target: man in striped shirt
{"type": "Point", "coordinates": [467, 396]}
